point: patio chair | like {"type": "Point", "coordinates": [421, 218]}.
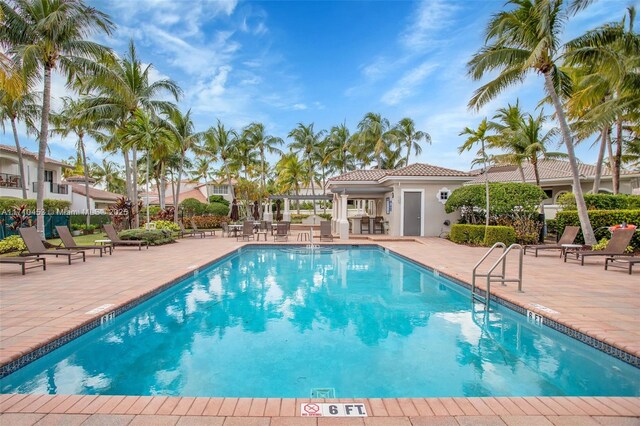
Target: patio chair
{"type": "Point", "coordinates": [282, 233]}
{"type": "Point", "coordinates": [212, 232]}
{"type": "Point", "coordinates": [616, 246]}
{"type": "Point", "coordinates": [116, 241]}
{"type": "Point", "coordinates": [378, 224]}
{"type": "Point", "coordinates": [622, 262]}
{"type": "Point", "coordinates": [365, 224]}
{"type": "Point", "coordinates": [247, 231]}
{"type": "Point", "coordinates": [191, 233]}
{"type": "Point", "coordinates": [568, 237]}
{"type": "Point", "coordinates": [23, 260]}
{"type": "Point", "coordinates": [69, 242]}
{"type": "Point", "coordinates": [325, 231]}
{"type": "Point", "coordinates": [36, 248]}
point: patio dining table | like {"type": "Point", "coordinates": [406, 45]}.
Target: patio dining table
{"type": "Point", "coordinates": [234, 229]}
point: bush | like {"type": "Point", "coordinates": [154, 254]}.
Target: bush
{"type": "Point", "coordinates": [601, 201]}
{"type": "Point", "coordinates": [12, 243]}
{"type": "Point", "coordinates": [192, 207]}
{"type": "Point", "coordinates": [217, 209]}
{"type": "Point", "coordinates": [85, 227]}
{"type": "Point", "coordinates": [218, 199]}
{"type": "Point", "coordinates": [601, 220]}
{"type": "Point", "coordinates": [166, 224]}
{"type": "Point", "coordinates": [482, 235]}
{"type": "Point", "coordinates": [511, 199]}
{"type": "Point", "coordinates": [153, 237]}
{"type": "Point", "coordinates": [527, 230]}
{"type": "Point", "coordinates": [96, 219]}
{"type": "Point", "coordinates": [207, 222]}
{"type": "Point", "coordinates": [153, 211]}
{"type": "Point", "coordinates": [50, 206]}
{"type": "Point", "coordinates": [297, 218]}
{"type": "Point", "coordinates": [325, 216]}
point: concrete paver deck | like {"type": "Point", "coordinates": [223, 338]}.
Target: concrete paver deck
{"type": "Point", "coordinates": [43, 305]}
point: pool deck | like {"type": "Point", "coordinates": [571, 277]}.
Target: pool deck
{"type": "Point", "coordinates": [44, 305]}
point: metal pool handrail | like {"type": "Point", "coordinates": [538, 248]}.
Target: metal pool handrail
{"type": "Point", "coordinates": [501, 277]}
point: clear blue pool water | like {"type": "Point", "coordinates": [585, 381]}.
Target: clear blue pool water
{"type": "Point", "coordinates": [271, 322]}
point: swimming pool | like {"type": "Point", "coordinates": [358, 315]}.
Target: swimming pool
{"type": "Point", "coordinates": [352, 322]}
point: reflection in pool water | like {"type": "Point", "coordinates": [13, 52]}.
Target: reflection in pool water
{"type": "Point", "coordinates": [279, 322]}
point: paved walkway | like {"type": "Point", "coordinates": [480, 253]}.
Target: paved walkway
{"type": "Point", "coordinates": [43, 305]}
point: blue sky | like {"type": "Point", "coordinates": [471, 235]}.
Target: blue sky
{"type": "Point", "coordinates": [326, 62]}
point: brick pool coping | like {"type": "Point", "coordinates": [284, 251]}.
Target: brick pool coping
{"type": "Point", "coordinates": [501, 407]}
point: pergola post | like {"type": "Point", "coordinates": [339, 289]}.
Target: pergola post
{"type": "Point", "coordinates": [344, 223]}
{"type": "Point", "coordinates": [268, 213]}
{"type": "Point", "coordinates": [334, 213]}
{"type": "Point", "coordinates": [286, 216]}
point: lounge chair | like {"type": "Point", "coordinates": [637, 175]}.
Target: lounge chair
{"type": "Point", "coordinates": [568, 237]}
{"type": "Point", "coordinates": [116, 241]}
{"type": "Point", "coordinates": [212, 232]}
{"type": "Point", "coordinates": [192, 233]}
{"type": "Point", "coordinates": [325, 231]}
{"type": "Point", "coordinates": [282, 232]}
{"type": "Point", "coordinates": [616, 246]}
{"type": "Point", "coordinates": [23, 260]}
{"type": "Point", "coordinates": [247, 231]}
{"type": "Point", "coordinates": [36, 248]}
{"type": "Point", "coordinates": [622, 262]}
{"type": "Point", "coordinates": [69, 242]}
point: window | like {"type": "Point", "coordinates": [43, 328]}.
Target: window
{"type": "Point", "coordinates": [220, 189]}
{"type": "Point", "coordinates": [48, 176]}
{"type": "Point", "coordinates": [443, 195]}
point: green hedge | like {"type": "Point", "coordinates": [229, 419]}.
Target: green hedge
{"type": "Point", "coordinates": [206, 222]}
{"type": "Point", "coordinates": [601, 201]}
{"type": "Point", "coordinates": [50, 206]}
{"type": "Point", "coordinates": [601, 220]}
{"type": "Point", "coordinates": [193, 207]}
{"type": "Point", "coordinates": [481, 235]}
{"type": "Point", "coordinates": [153, 237]}
{"type": "Point", "coordinates": [96, 219]}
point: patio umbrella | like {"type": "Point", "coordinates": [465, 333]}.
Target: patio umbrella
{"type": "Point", "coordinates": [235, 215]}
{"type": "Point", "coordinates": [256, 210]}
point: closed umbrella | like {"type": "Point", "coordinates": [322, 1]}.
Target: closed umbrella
{"type": "Point", "coordinates": [256, 210]}
{"type": "Point", "coordinates": [235, 215]}
{"type": "Point", "coordinates": [277, 210]}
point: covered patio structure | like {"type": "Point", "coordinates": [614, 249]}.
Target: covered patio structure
{"type": "Point", "coordinates": [286, 199]}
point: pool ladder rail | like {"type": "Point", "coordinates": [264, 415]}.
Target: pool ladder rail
{"type": "Point", "coordinates": [498, 277]}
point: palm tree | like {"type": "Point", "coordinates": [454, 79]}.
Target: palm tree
{"type": "Point", "coordinates": [109, 174]}
{"type": "Point", "coordinates": [22, 106]}
{"type": "Point", "coordinates": [376, 137]}
{"type": "Point", "coordinates": [291, 171]}
{"type": "Point", "coordinates": [220, 141]}
{"type": "Point", "coordinates": [479, 136]}
{"type": "Point", "coordinates": [520, 40]}
{"type": "Point", "coordinates": [146, 133]}
{"type": "Point", "coordinates": [306, 141]}
{"type": "Point", "coordinates": [183, 129]}
{"type": "Point", "coordinates": [72, 120]}
{"type": "Point", "coordinates": [534, 140]}
{"type": "Point", "coordinates": [52, 34]}
{"type": "Point", "coordinates": [410, 137]}
{"type": "Point", "coordinates": [507, 137]}
{"type": "Point", "coordinates": [255, 134]}
{"type": "Point", "coordinates": [340, 146]}
{"type": "Point", "coordinates": [117, 92]}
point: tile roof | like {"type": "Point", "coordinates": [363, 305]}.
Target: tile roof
{"type": "Point", "coordinates": [33, 155]}
{"type": "Point", "coordinates": [548, 170]}
{"type": "Point", "coordinates": [95, 193]}
{"type": "Point", "coordinates": [361, 175]}
{"type": "Point", "coordinates": [194, 193]}
{"type": "Point", "coordinates": [421, 169]}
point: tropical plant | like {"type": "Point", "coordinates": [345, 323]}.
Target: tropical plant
{"type": "Point", "coordinates": [376, 137]}
{"type": "Point", "coordinates": [519, 40]}
{"type": "Point", "coordinates": [410, 138]}
{"type": "Point", "coordinates": [290, 171]}
{"type": "Point", "coordinates": [220, 141]}
{"type": "Point", "coordinates": [46, 35]}
{"type": "Point", "coordinates": [108, 173]}
{"type": "Point", "coordinates": [341, 143]}
{"type": "Point", "coordinates": [306, 142]}
{"type": "Point", "coordinates": [476, 136]}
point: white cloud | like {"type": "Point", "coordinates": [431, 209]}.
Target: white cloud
{"type": "Point", "coordinates": [298, 107]}
{"type": "Point", "coordinates": [430, 17]}
{"type": "Point", "coordinates": [408, 83]}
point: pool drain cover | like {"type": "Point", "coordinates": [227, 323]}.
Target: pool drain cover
{"type": "Point", "coordinates": [323, 393]}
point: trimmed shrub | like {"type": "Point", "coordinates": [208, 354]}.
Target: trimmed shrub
{"type": "Point", "coordinates": [207, 222]}
{"type": "Point", "coordinates": [96, 219]}
{"type": "Point", "coordinates": [218, 199]}
{"type": "Point", "coordinates": [504, 234]}
{"type": "Point", "coordinates": [482, 235]}
{"type": "Point", "coordinates": [50, 206]}
{"type": "Point", "coordinates": [601, 220]}
{"type": "Point", "coordinates": [153, 237]}
{"type": "Point", "coordinates": [217, 209]}
{"type": "Point", "coordinates": [12, 243]}
{"type": "Point", "coordinates": [467, 234]}
{"type": "Point", "coordinates": [601, 201]}
{"type": "Point", "coordinates": [193, 207]}
{"type": "Point", "coordinates": [511, 199]}
{"type": "Point", "coordinates": [166, 224]}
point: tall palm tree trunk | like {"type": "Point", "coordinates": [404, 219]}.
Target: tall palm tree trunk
{"type": "Point", "coordinates": [583, 215]}
{"type": "Point", "coordinates": [147, 188]}
{"type": "Point", "coordinates": [536, 173]}
{"type": "Point", "coordinates": [176, 198]}
{"type": "Point", "coordinates": [86, 179]}
{"type": "Point", "coordinates": [262, 182]}
{"type": "Point", "coordinates": [134, 185]}
{"type": "Point", "coordinates": [163, 187]}
{"type": "Point", "coordinates": [23, 176]}
{"type": "Point", "coordinates": [617, 159]}
{"type": "Point", "coordinates": [521, 170]}
{"type": "Point", "coordinates": [486, 185]}
{"type": "Point", "coordinates": [42, 147]}
{"type": "Point", "coordinates": [313, 190]}
{"type": "Point", "coordinates": [598, 175]}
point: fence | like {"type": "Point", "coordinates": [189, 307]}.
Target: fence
{"type": "Point", "coordinates": [50, 223]}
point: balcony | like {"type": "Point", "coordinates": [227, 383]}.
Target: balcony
{"type": "Point", "coordinates": [54, 188]}
{"type": "Point", "coordinates": [10, 181]}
